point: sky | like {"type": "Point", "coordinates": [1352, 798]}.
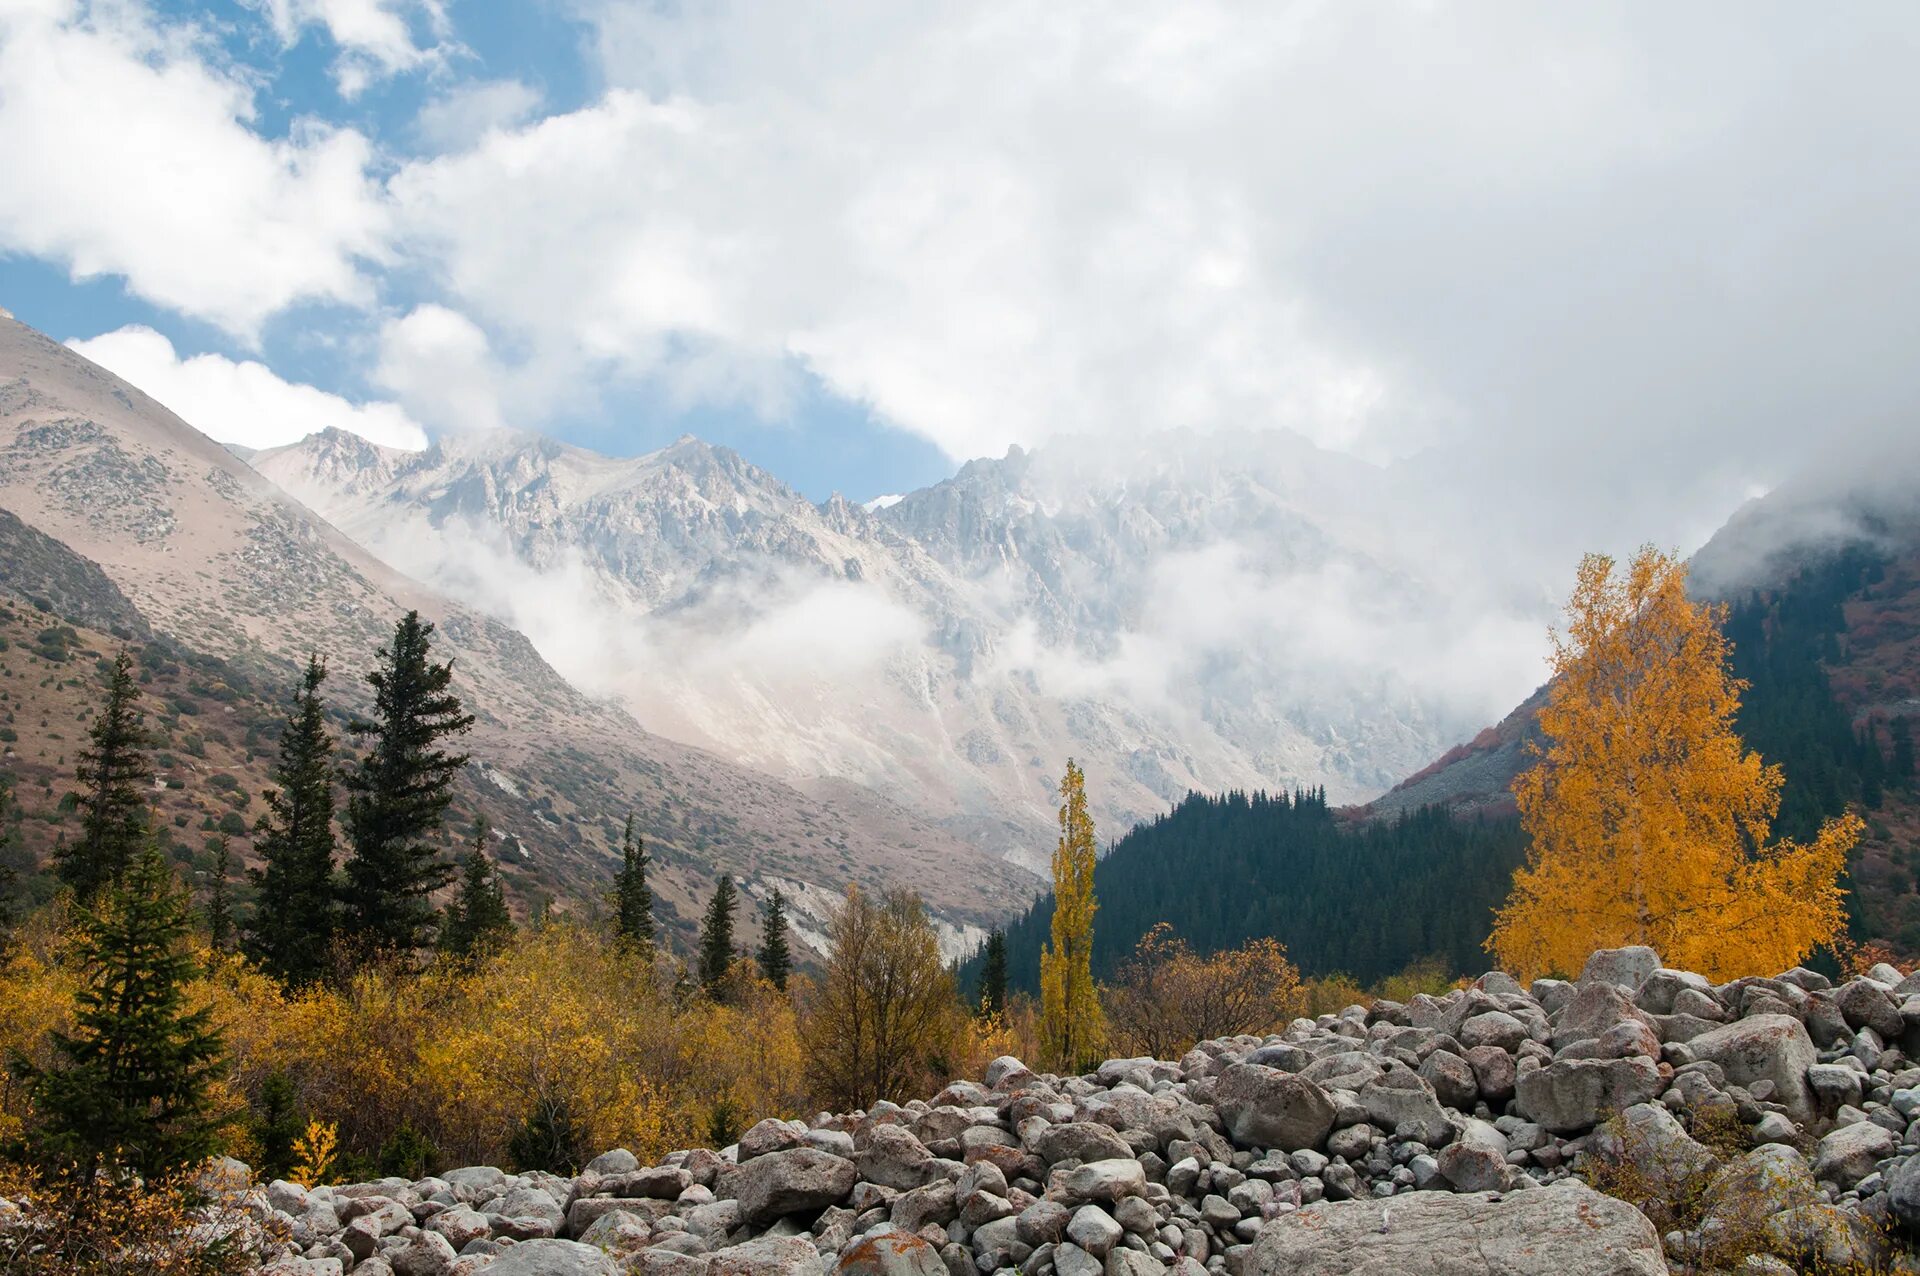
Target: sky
{"type": "Point", "coordinates": [1597, 273]}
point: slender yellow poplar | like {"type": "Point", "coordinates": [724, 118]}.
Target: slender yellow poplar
{"type": "Point", "coordinates": [1072, 1029]}
{"type": "Point", "coordinates": [1648, 815]}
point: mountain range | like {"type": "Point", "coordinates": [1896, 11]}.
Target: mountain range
{"type": "Point", "coordinates": [1192, 612]}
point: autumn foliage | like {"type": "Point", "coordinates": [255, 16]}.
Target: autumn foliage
{"type": "Point", "coordinates": [1648, 817]}
{"type": "Point", "coordinates": [1072, 1029]}
{"type": "Point", "coordinates": [1168, 997]}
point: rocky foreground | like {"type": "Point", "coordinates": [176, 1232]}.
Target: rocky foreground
{"type": "Point", "coordinates": [1441, 1135]}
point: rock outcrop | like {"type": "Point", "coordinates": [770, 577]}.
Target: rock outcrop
{"type": "Point", "coordinates": [1450, 1134]}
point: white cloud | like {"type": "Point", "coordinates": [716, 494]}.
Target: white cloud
{"type": "Point", "coordinates": [437, 362]}
{"type": "Point", "coordinates": [127, 151]}
{"type": "Point", "coordinates": [244, 402]}
{"type": "Point", "coordinates": [467, 112]}
{"type": "Point", "coordinates": [375, 37]}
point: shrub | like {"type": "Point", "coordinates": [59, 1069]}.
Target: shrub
{"type": "Point", "coordinates": [1168, 998]}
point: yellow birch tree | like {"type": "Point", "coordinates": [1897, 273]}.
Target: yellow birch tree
{"type": "Point", "coordinates": [1647, 814]}
{"type": "Point", "coordinates": [1072, 1029]}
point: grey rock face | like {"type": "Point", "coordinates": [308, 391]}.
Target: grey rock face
{"type": "Point", "coordinates": [1564, 1230]}
{"type": "Point", "coordinates": [552, 1258]}
{"type": "Point", "coordinates": [1571, 1095]}
{"type": "Point", "coordinates": [790, 1181]}
{"type": "Point", "coordinates": [1766, 1047]}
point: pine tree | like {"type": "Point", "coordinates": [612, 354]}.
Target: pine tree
{"type": "Point", "coordinates": [1649, 817]}
{"type": "Point", "coordinates": [219, 910]}
{"type": "Point", "coordinates": [776, 960]}
{"type": "Point", "coordinates": [132, 1081]}
{"type": "Point", "coordinates": [399, 792]}
{"type": "Point", "coordinates": [478, 924]}
{"type": "Point", "coordinates": [292, 928]}
{"type": "Point", "coordinates": [113, 770]}
{"type": "Point", "coordinates": [993, 974]}
{"type": "Point", "coordinates": [716, 937]}
{"type": "Point", "coordinates": [632, 900]}
{"type": "Point", "coordinates": [1072, 1030]}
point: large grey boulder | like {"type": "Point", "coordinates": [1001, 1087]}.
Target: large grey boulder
{"type": "Point", "coordinates": [1903, 1192]}
{"type": "Point", "coordinates": [1772, 1048]}
{"type": "Point", "coordinates": [1263, 1107]}
{"type": "Point", "coordinates": [1570, 1095]}
{"type": "Point", "coordinates": [789, 1182]}
{"type": "Point", "coordinates": [1401, 1102]}
{"type": "Point", "coordinates": [1626, 968]}
{"type": "Point", "coordinates": [1564, 1230]}
{"type": "Point", "coordinates": [1852, 1152]}
{"type": "Point", "coordinates": [891, 1254]}
{"type": "Point", "coordinates": [767, 1256]}
{"type": "Point", "coordinates": [1080, 1141]}
{"type": "Point", "coordinates": [552, 1258]}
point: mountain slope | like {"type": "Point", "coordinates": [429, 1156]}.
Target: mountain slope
{"type": "Point", "coordinates": [1196, 613]}
{"type": "Point", "coordinates": [217, 558]}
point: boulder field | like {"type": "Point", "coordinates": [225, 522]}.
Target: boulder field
{"type": "Point", "coordinates": [1446, 1135]}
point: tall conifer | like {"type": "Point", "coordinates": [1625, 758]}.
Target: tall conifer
{"type": "Point", "coordinates": [993, 974]}
{"type": "Point", "coordinates": [131, 1084]}
{"type": "Point", "coordinates": [632, 899]}
{"type": "Point", "coordinates": [775, 956]}
{"type": "Point", "coordinates": [113, 771]}
{"type": "Point", "coordinates": [478, 923]}
{"type": "Point", "coordinates": [219, 909]}
{"type": "Point", "coordinates": [399, 792]}
{"type": "Point", "coordinates": [716, 937]}
{"type": "Point", "coordinates": [292, 927]}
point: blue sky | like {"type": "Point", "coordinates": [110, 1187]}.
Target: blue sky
{"type": "Point", "coordinates": [818, 441]}
{"type": "Point", "coordinates": [864, 242]}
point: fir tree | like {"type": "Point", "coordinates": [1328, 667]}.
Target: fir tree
{"type": "Point", "coordinates": [292, 927]}
{"type": "Point", "coordinates": [113, 770]}
{"type": "Point", "coordinates": [478, 924]}
{"type": "Point", "coordinates": [632, 900]}
{"type": "Point", "coordinates": [993, 974]}
{"type": "Point", "coordinates": [776, 959]}
{"type": "Point", "coordinates": [716, 937]}
{"type": "Point", "coordinates": [132, 1078]}
{"type": "Point", "coordinates": [1900, 765]}
{"type": "Point", "coordinates": [219, 909]}
{"type": "Point", "coordinates": [399, 792]}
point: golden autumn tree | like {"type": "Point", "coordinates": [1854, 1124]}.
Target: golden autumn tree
{"type": "Point", "coordinates": [1648, 817]}
{"type": "Point", "coordinates": [1072, 1028]}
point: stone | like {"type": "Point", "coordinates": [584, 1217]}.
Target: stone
{"type": "Point", "coordinates": [1865, 1004]}
{"type": "Point", "coordinates": [1572, 1095]}
{"type": "Point", "coordinates": [1648, 1137]}
{"type": "Point", "coordinates": [1566, 1229]}
{"type": "Point", "coordinates": [460, 1225]}
{"type": "Point", "coordinates": [767, 1256]}
{"type": "Point", "coordinates": [936, 1203]}
{"type": "Point", "coordinates": [1903, 1192]}
{"type": "Point", "coordinates": [893, 1158]}
{"type": "Point", "coordinates": [1263, 1107]}
{"type": "Point", "coordinates": [1452, 1079]}
{"type": "Point", "coordinates": [1493, 1028]}
{"type": "Point", "coordinates": [1595, 1008]}
{"type": "Point", "coordinates": [1401, 1102]}
{"type": "Point", "coordinates": [1626, 968]}
{"type": "Point", "coordinates": [789, 1182]}
{"type": "Point", "coordinates": [893, 1254]}
{"type": "Point", "coordinates": [427, 1254]}
{"type": "Point", "coordinates": [1042, 1223]}
{"type": "Point", "coordinates": [552, 1258]}
{"type": "Point", "coordinates": [1493, 1072]}
{"type": "Point", "coordinates": [770, 1135]}
{"type": "Point", "coordinates": [618, 1161]}
{"type": "Point", "coordinates": [1071, 1260]}
{"type": "Point", "coordinates": [1472, 1167]}
{"type": "Point", "coordinates": [1852, 1152]}
{"type": "Point", "coordinates": [1768, 1180]}
{"type": "Point", "coordinates": [1102, 1181]}
{"type": "Point", "coordinates": [1094, 1230]}
{"type": "Point", "coordinates": [1775, 1048]}
{"type": "Point", "coordinates": [1080, 1141]}
{"type": "Point", "coordinates": [618, 1232]}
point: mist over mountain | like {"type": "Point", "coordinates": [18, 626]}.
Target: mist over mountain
{"type": "Point", "coordinates": [1192, 611]}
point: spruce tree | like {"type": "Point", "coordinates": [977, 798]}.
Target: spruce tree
{"type": "Point", "coordinates": [993, 974]}
{"type": "Point", "coordinates": [399, 792]}
{"type": "Point", "coordinates": [292, 927]}
{"type": "Point", "coordinates": [131, 1082]}
{"type": "Point", "coordinates": [219, 909]}
{"type": "Point", "coordinates": [632, 900]}
{"type": "Point", "coordinates": [478, 923]}
{"type": "Point", "coordinates": [776, 959]}
{"type": "Point", "coordinates": [113, 771]}
{"type": "Point", "coordinates": [716, 937]}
